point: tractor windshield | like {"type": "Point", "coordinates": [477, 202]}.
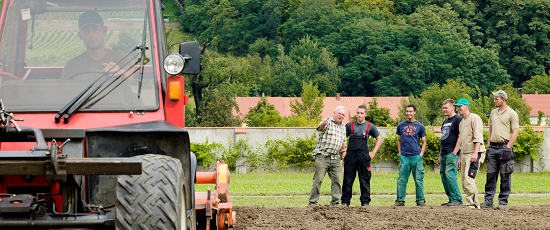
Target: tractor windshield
{"type": "Point", "coordinates": [50, 51]}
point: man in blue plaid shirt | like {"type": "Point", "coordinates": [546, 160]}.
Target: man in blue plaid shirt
{"type": "Point", "coordinates": [331, 142]}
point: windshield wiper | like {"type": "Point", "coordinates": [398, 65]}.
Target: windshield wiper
{"type": "Point", "coordinates": [67, 108]}
{"type": "Point", "coordinates": [143, 48]}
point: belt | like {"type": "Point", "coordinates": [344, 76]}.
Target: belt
{"type": "Point", "coordinates": [499, 143]}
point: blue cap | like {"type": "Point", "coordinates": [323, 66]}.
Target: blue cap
{"type": "Point", "coordinates": [463, 101]}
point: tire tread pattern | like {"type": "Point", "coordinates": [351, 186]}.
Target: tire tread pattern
{"type": "Point", "coordinates": [150, 200]}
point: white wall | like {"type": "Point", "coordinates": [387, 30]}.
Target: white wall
{"type": "Point", "coordinates": [257, 137]}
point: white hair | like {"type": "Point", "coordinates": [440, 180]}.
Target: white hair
{"type": "Point", "coordinates": [340, 107]}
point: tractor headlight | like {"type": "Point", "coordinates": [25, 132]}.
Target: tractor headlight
{"type": "Point", "coordinates": [174, 63]}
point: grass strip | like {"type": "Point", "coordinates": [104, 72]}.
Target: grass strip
{"type": "Point", "coordinates": [288, 184]}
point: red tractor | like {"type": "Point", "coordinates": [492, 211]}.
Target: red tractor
{"type": "Point", "coordinates": [92, 121]}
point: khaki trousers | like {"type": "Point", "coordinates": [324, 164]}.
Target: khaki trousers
{"type": "Point", "coordinates": [332, 167]}
{"type": "Point", "coordinates": [468, 183]}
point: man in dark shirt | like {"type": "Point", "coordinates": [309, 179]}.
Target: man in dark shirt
{"type": "Point", "coordinates": [97, 57]}
{"type": "Point", "coordinates": [448, 155]}
{"type": "Point", "coordinates": [357, 158]}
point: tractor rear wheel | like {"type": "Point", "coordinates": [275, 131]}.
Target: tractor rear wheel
{"type": "Point", "coordinates": [154, 199]}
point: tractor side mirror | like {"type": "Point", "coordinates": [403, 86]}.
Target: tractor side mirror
{"type": "Point", "coordinates": [188, 61]}
{"type": "Point", "coordinates": [191, 50]}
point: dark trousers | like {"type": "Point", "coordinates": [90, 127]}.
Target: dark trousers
{"type": "Point", "coordinates": [500, 160]}
{"type": "Point", "coordinates": [357, 160]}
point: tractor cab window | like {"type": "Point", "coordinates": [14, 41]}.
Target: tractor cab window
{"type": "Point", "coordinates": [51, 51]}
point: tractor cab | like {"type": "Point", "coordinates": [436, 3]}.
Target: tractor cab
{"type": "Point", "coordinates": [92, 120]}
{"type": "Point", "coordinates": [51, 51]}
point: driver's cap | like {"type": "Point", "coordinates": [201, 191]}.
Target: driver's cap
{"type": "Point", "coordinates": [89, 17]}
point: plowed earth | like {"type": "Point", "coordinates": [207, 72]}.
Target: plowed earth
{"type": "Point", "coordinates": [429, 217]}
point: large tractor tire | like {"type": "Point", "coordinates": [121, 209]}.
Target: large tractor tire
{"type": "Point", "coordinates": [153, 200]}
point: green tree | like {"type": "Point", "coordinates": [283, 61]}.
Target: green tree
{"type": "Point", "coordinates": [226, 73]}
{"type": "Point", "coordinates": [232, 25]}
{"type": "Point", "coordinates": [539, 83]}
{"type": "Point", "coordinates": [438, 48]}
{"type": "Point", "coordinates": [217, 111]}
{"type": "Point", "coordinates": [263, 115]}
{"type": "Point", "coordinates": [379, 116]}
{"type": "Point", "coordinates": [311, 104]}
{"type": "Point", "coordinates": [421, 110]}
{"type": "Point", "coordinates": [518, 31]}
{"type": "Point", "coordinates": [453, 89]}
{"type": "Point", "coordinates": [306, 61]}
{"type": "Point", "coordinates": [541, 115]}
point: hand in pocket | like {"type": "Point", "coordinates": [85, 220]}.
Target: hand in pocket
{"type": "Point", "coordinates": [507, 154]}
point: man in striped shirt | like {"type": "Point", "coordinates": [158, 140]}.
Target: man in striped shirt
{"type": "Point", "coordinates": [331, 142]}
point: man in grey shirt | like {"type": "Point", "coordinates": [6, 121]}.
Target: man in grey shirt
{"type": "Point", "coordinates": [357, 158]}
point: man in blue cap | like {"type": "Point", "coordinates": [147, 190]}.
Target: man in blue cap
{"type": "Point", "coordinates": [97, 57]}
{"type": "Point", "coordinates": [472, 149]}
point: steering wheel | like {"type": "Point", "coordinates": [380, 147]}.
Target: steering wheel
{"type": "Point", "coordinates": [2, 73]}
{"type": "Point", "coordinates": [85, 72]}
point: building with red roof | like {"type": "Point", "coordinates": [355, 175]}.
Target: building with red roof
{"type": "Point", "coordinates": [282, 104]}
{"type": "Point", "coordinates": [538, 102]}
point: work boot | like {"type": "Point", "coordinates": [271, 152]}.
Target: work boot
{"type": "Point", "coordinates": [398, 204]}
{"type": "Point", "coordinates": [421, 204]}
{"type": "Point", "coordinates": [501, 206]}
{"type": "Point", "coordinates": [445, 204]}
{"type": "Point", "coordinates": [454, 204]}
{"type": "Point", "coordinates": [486, 205]}
{"type": "Point", "coordinates": [344, 205]}
{"type": "Point", "coordinates": [365, 204]}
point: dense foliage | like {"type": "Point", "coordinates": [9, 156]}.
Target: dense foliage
{"type": "Point", "coordinates": [388, 47]}
{"type": "Point", "coordinates": [373, 48]}
{"type": "Point", "coordinates": [528, 143]}
{"type": "Point", "coordinates": [311, 104]}
{"type": "Point", "coordinates": [291, 152]}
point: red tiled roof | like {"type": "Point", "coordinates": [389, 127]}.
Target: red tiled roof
{"type": "Point", "coordinates": [282, 104]}
{"type": "Point", "coordinates": [537, 102]}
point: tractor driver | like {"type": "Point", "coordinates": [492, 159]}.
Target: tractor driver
{"type": "Point", "coordinates": [96, 57]}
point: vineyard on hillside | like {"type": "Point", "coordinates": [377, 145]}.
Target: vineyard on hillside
{"type": "Point", "coordinates": [48, 45]}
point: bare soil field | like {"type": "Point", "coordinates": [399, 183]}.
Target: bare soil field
{"type": "Point", "coordinates": [429, 217]}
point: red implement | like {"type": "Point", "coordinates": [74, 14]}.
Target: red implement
{"type": "Point", "coordinates": [216, 205]}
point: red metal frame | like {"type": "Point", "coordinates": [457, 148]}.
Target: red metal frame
{"type": "Point", "coordinates": [4, 12]}
{"type": "Point", "coordinates": [175, 110]}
